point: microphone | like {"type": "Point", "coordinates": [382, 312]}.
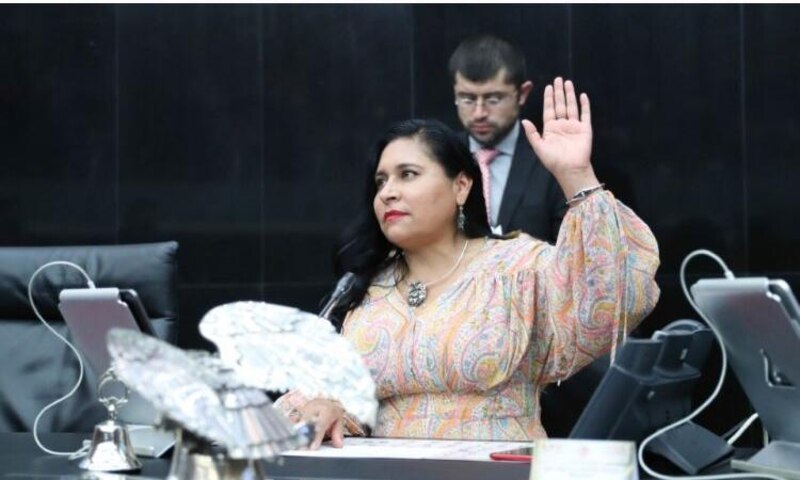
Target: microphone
{"type": "Point", "coordinates": [343, 287]}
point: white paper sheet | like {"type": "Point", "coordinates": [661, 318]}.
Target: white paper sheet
{"type": "Point", "coordinates": [357, 447]}
{"type": "Point", "coordinates": [570, 459]}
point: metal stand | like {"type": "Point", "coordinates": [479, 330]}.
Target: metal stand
{"type": "Point", "coordinates": [193, 459]}
{"type": "Point", "coordinates": [778, 458]}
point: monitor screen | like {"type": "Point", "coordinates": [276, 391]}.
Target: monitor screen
{"type": "Point", "coordinates": [91, 312]}
{"type": "Point", "coordinates": [758, 320]}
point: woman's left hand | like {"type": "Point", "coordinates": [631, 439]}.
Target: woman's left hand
{"type": "Point", "coordinates": [328, 419]}
{"type": "Point", "coordinates": [565, 145]}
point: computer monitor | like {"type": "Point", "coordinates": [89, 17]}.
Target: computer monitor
{"type": "Point", "coordinates": [759, 322]}
{"type": "Point", "coordinates": [650, 386]}
{"type": "Point", "coordinates": [91, 312]}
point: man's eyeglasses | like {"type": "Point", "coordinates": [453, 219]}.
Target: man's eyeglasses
{"type": "Point", "coordinates": [490, 100]}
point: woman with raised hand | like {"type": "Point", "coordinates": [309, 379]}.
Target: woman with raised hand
{"type": "Point", "coordinates": [460, 329]}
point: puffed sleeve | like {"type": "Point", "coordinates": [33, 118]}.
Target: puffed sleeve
{"type": "Point", "coordinates": [595, 285]}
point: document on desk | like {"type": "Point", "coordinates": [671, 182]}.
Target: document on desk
{"type": "Point", "coordinates": [411, 448]}
{"type": "Point", "coordinates": [584, 460]}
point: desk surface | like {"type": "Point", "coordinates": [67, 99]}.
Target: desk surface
{"type": "Point", "coordinates": [21, 458]}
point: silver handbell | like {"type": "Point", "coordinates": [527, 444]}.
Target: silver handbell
{"type": "Point", "coordinates": [111, 449]}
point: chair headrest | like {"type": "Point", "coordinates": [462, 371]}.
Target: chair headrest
{"type": "Point", "coordinates": [148, 268]}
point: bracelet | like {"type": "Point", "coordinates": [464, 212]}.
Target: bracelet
{"type": "Point", "coordinates": [581, 195]}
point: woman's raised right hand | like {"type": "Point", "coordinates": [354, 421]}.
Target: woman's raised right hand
{"type": "Point", "coordinates": [565, 145]}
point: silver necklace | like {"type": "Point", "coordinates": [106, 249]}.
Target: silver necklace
{"type": "Point", "coordinates": [418, 291]}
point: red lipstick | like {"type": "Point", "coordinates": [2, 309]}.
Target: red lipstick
{"type": "Point", "coordinates": [392, 215]}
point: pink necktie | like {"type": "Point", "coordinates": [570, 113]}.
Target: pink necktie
{"type": "Point", "coordinates": [485, 156]}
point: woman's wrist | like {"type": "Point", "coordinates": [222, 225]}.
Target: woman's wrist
{"type": "Point", "coordinates": [583, 194]}
{"type": "Point", "coordinates": [576, 181]}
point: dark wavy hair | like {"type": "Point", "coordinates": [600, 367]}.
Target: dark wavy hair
{"type": "Point", "coordinates": [479, 57]}
{"type": "Point", "coordinates": [363, 249]}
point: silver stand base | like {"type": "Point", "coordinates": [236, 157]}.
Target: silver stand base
{"type": "Point", "coordinates": [193, 459]}
{"type": "Point", "coordinates": [777, 458]}
{"type": "Point", "coordinates": [150, 441]}
{"type": "Point", "coordinates": [207, 466]}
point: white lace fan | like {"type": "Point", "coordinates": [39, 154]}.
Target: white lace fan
{"type": "Point", "coordinates": [281, 348]}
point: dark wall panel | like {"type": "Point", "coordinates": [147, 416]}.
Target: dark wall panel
{"type": "Point", "coordinates": [773, 136]}
{"type": "Point", "coordinates": [664, 85]}
{"type": "Point", "coordinates": [195, 301]}
{"type": "Point", "coordinates": [189, 138]}
{"type": "Point", "coordinates": [57, 125]}
{"type": "Point", "coordinates": [334, 77]}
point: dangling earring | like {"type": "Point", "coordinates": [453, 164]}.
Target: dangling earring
{"type": "Point", "coordinates": [461, 219]}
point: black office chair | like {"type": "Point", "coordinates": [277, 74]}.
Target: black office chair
{"type": "Point", "coordinates": [36, 368]}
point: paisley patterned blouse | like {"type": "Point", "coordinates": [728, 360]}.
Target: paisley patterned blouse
{"type": "Point", "coordinates": [471, 363]}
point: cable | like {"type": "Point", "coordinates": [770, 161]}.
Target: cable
{"type": "Point", "coordinates": [72, 347]}
{"type": "Point", "coordinates": [732, 439]}
{"type": "Point", "coordinates": [728, 434]}
{"type": "Point", "coordinates": [729, 275]}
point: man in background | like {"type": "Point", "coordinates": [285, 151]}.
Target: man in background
{"type": "Point", "coordinates": [490, 87]}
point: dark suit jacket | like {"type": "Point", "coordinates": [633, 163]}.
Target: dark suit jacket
{"type": "Point", "coordinates": [532, 201]}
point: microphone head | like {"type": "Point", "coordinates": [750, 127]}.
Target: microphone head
{"type": "Point", "coordinates": [343, 287]}
{"type": "Point", "coordinates": [344, 284]}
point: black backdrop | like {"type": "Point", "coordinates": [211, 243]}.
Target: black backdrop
{"type": "Point", "coordinates": [241, 131]}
